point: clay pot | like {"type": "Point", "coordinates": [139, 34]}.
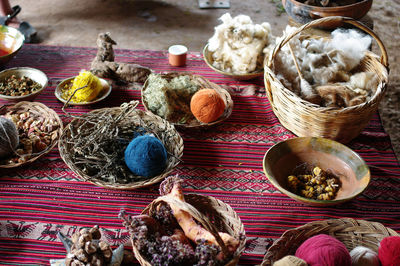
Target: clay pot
{"type": "Point", "coordinates": [303, 13]}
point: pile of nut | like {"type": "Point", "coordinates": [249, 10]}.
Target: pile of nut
{"type": "Point", "coordinates": [36, 134]}
{"type": "Point", "coordinates": [88, 249]}
{"type": "Point", "coordinates": [18, 86]}
{"type": "Point", "coordinates": [320, 184]}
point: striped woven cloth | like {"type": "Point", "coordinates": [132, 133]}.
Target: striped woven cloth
{"type": "Point", "coordinates": [46, 197]}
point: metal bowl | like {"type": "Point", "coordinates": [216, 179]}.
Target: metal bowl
{"type": "Point", "coordinates": [283, 158]}
{"type": "Point", "coordinates": [102, 95]}
{"type": "Point", "coordinates": [32, 73]}
{"type": "Point", "coordinates": [303, 13]}
{"type": "Point", "coordinates": [209, 61]}
{"type": "Point", "coordinates": [11, 41]}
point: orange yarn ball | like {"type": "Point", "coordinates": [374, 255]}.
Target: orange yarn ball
{"type": "Point", "coordinates": [207, 105]}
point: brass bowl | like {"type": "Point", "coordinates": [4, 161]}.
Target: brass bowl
{"type": "Point", "coordinates": [303, 13]}
{"type": "Point", "coordinates": [207, 55]}
{"type": "Point", "coordinates": [32, 73]}
{"type": "Point", "coordinates": [102, 95]}
{"type": "Point", "coordinates": [11, 41]}
{"type": "Point", "coordinates": [283, 158]}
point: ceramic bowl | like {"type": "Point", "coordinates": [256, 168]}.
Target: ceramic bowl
{"type": "Point", "coordinates": [11, 41]}
{"type": "Point", "coordinates": [32, 73]}
{"type": "Point", "coordinates": [303, 13]}
{"type": "Point", "coordinates": [103, 94]}
{"type": "Point", "coordinates": [207, 55]}
{"type": "Point", "coordinates": [283, 158]}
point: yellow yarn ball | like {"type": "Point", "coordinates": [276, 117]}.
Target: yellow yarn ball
{"type": "Point", "coordinates": [89, 93]}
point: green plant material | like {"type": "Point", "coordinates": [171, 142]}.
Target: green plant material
{"type": "Point", "coordinates": [279, 7]}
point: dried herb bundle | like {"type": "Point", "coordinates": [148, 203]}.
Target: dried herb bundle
{"type": "Point", "coordinates": [98, 140]}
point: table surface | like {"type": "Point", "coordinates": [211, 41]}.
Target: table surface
{"type": "Point", "coordinates": [46, 197]}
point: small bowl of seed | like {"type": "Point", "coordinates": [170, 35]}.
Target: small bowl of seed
{"type": "Point", "coordinates": [316, 171]}
{"type": "Point", "coordinates": [21, 83]}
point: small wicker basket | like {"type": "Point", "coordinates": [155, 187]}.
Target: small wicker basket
{"type": "Point", "coordinates": [204, 83]}
{"type": "Point", "coordinates": [166, 132]}
{"type": "Point", "coordinates": [213, 214]}
{"type": "Point", "coordinates": [44, 113]}
{"type": "Point", "coordinates": [306, 119]}
{"type": "Point", "coordinates": [350, 232]}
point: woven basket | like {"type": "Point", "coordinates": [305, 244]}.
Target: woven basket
{"type": "Point", "coordinates": [204, 83]}
{"type": "Point", "coordinates": [350, 232]}
{"type": "Point", "coordinates": [165, 131]}
{"type": "Point", "coordinates": [213, 214]}
{"type": "Point", "coordinates": [38, 110]}
{"type": "Point", "coordinates": [306, 119]}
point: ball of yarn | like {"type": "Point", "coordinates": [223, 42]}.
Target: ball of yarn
{"type": "Point", "coordinates": [9, 138]}
{"type": "Point", "coordinates": [363, 256]}
{"type": "Point", "coordinates": [146, 156]}
{"type": "Point", "coordinates": [389, 251]}
{"type": "Point", "coordinates": [93, 83]}
{"type": "Point", "coordinates": [290, 261]}
{"type": "Point", "coordinates": [207, 105]}
{"type": "Point", "coordinates": [324, 250]}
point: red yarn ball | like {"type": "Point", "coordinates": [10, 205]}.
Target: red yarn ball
{"type": "Point", "coordinates": [324, 250]}
{"type": "Point", "coordinates": [388, 251]}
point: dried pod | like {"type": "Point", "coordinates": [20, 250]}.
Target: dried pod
{"type": "Point", "coordinates": [95, 231]}
{"type": "Point", "coordinates": [97, 260]}
{"type": "Point", "coordinates": [84, 231]}
{"type": "Point", "coordinates": [90, 247]}
{"type": "Point", "coordinates": [81, 255]}
{"type": "Point", "coordinates": [77, 263]}
{"type": "Point", "coordinates": [82, 240]}
{"type": "Point", "coordinates": [75, 237]}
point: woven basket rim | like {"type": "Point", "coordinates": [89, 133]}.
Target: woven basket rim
{"type": "Point", "coordinates": [188, 198]}
{"type": "Point", "coordinates": [128, 186]}
{"type": "Point", "coordinates": [317, 227]}
{"type": "Point", "coordinates": [205, 83]}
{"type": "Point", "coordinates": [48, 113]}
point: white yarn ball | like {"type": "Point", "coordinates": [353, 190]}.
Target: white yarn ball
{"type": "Point", "coordinates": [9, 138]}
{"type": "Point", "coordinates": [363, 256]}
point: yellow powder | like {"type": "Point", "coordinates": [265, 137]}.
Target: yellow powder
{"type": "Point", "coordinates": [89, 93]}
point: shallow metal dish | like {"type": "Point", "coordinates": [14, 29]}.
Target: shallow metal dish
{"type": "Point", "coordinates": [103, 94]}
{"type": "Point", "coordinates": [32, 73]}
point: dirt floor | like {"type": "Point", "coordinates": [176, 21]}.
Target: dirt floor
{"type": "Point", "coordinates": [158, 24]}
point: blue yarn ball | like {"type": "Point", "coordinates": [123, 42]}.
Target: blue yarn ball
{"type": "Point", "coordinates": [146, 156]}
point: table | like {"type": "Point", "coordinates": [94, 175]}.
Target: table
{"type": "Point", "coordinates": [46, 197]}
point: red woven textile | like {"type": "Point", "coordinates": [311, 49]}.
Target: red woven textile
{"type": "Point", "coordinates": [40, 199]}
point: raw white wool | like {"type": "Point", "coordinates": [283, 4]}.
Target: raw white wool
{"type": "Point", "coordinates": [323, 62]}
{"type": "Point", "coordinates": [237, 44]}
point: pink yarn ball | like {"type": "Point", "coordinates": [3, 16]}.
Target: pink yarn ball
{"type": "Point", "coordinates": [388, 251]}
{"type": "Point", "coordinates": [324, 250]}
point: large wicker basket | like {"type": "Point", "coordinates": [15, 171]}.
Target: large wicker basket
{"type": "Point", "coordinates": [306, 119]}
{"type": "Point", "coordinates": [40, 112]}
{"type": "Point", "coordinates": [166, 132]}
{"type": "Point", "coordinates": [350, 232]}
{"type": "Point", "coordinates": [213, 214]}
{"type": "Point", "coordinates": [204, 83]}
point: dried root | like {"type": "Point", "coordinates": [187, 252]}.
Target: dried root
{"type": "Point", "coordinates": [103, 64]}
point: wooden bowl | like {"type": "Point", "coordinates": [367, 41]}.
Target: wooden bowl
{"type": "Point", "coordinates": [207, 55]}
{"type": "Point", "coordinates": [102, 95]}
{"type": "Point", "coordinates": [303, 13]}
{"type": "Point", "coordinates": [32, 73]}
{"type": "Point", "coordinates": [283, 158]}
{"type": "Point", "coordinates": [11, 41]}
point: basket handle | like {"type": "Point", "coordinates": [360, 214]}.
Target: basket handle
{"type": "Point", "coordinates": [330, 20]}
{"type": "Point", "coordinates": [203, 220]}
